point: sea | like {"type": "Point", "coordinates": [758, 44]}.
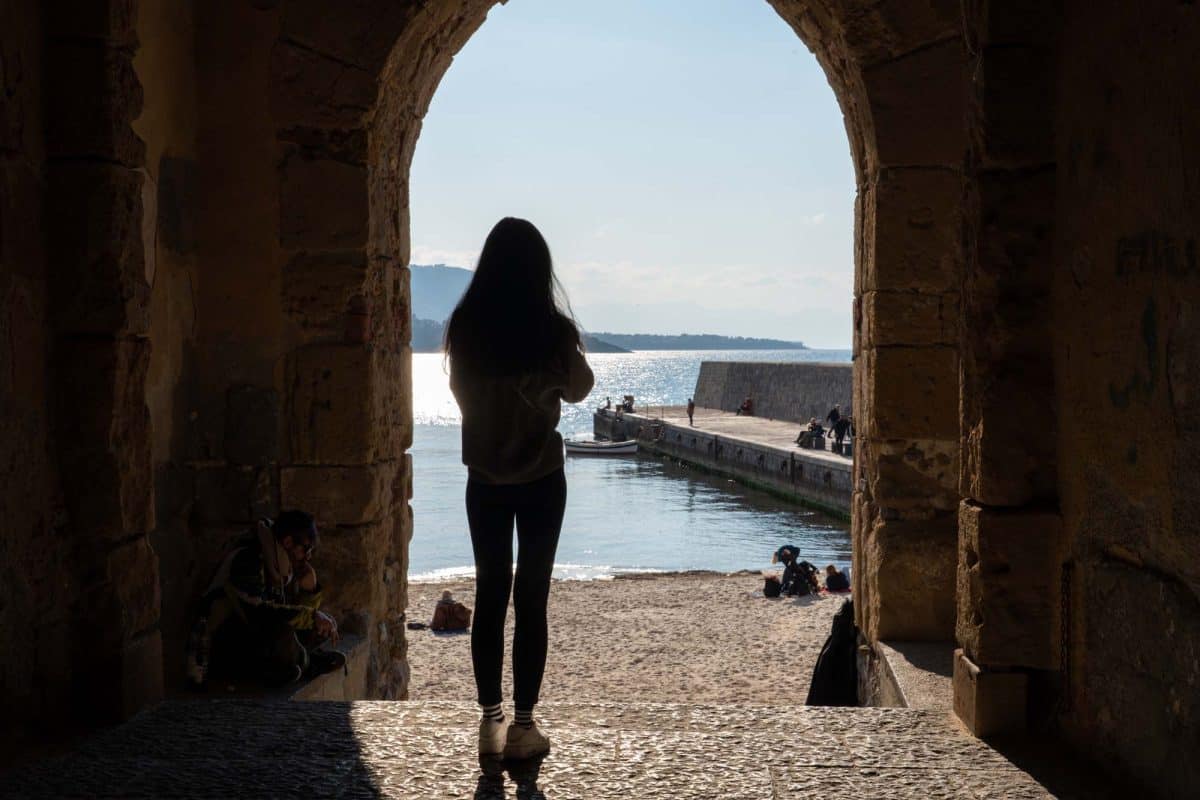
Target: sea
{"type": "Point", "coordinates": [625, 514]}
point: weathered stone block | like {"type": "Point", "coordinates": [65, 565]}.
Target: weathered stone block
{"type": "Point", "coordinates": [93, 97]}
{"type": "Point", "coordinates": [340, 495]}
{"type": "Point", "coordinates": [914, 475]}
{"type": "Point", "coordinates": [912, 234]}
{"type": "Point", "coordinates": [988, 703]}
{"type": "Point", "coordinates": [1009, 422]}
{"type": "Point", "coordinates": [886, 30]}
{"type": "Point", "coordinates": [348, 145]}
{"type": "Point", "coordinates": [318, 289]}
{"type": "Point", "coordinates": [233, 494]}
{"type": "Point", "coordinates": [252, 422]}
{"type": "Point", "coordinates": [1009, 587]}
{"type": "Point", "coordinates": [1012, 113]}
{"type": "Point", "coordinates": [323, 205]}
{"type": "Point", "coordinates": [362, 32]}
{"type": "Point", "coordinates": [177, 211]}
{"type": "Point", "coordinates": [132, 575]}
{"type": "Point", "coordinates": [910, 579]}
{"type": "Point", "coordinates": [97, 261]}
{"type": "Point", "coordinates": [351, 563]}
{"type": "Point", "coordinates": [349, 404]}
{"type": "Point", "coordinates": [308, 88]}
{"type": "Point", "coordinates": [912, 392]}
{"type": "Point", "coordinates": [113, 21]}
{"type": "Point", "coordinates": [910, 318]}
{"type": "Point", "coordinates": [917, 106]}
{"type": "Point", "coordinates": [1137, 663]}
{"type": "Point", "coordinates": [104, 443]}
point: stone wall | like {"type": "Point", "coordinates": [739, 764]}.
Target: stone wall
{"type": "Point", "coordinates": [787, 391]}
{"type": "Point", "coordinates": [35, 582]}
{"type": "Point", "coordinates": [203, 267]}
{"type": "Point", "coordinates": [1126, 360]}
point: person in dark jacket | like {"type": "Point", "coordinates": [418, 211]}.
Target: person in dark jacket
{"type": "Point", "coordinates": [836, 581]}
{"type": "Point", "coordinates": [261, 614]}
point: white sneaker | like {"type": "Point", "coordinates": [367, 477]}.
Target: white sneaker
{"type": "Point", "coordinates": [491, 737]}
{"type": "Point", "coordinates": [525, 742]}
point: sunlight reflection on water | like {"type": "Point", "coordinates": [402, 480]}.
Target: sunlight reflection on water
{"type": "Point", "coordinates": [623, 514]}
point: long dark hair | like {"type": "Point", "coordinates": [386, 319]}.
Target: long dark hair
{"type": "Point", "coordinates": [514, 317]}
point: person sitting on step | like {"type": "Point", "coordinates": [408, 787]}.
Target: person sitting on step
{"type": "Point", "coordinates": [261, 615]}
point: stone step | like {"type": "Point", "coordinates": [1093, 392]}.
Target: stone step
{"type": "Point", "coordinates": [243, 748]}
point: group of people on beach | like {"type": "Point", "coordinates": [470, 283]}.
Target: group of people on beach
{"type": "Point", "coordinates": [800, 577]}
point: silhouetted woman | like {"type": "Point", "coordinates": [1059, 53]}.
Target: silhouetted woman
{"type": "Point", "coordinates": [515, 354]}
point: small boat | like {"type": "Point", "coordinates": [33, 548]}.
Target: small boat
{"type": "Point", "coordinates": [577, 448]}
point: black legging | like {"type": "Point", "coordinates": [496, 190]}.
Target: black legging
{"type": "Point", "coordinates": [537, 508]}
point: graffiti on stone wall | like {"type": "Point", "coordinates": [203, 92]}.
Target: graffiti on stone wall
{"type": "Point", "coordinates": [1157, 253]}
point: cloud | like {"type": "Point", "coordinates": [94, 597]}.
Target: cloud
{"type": "Point", "coordinates": [814, 219]}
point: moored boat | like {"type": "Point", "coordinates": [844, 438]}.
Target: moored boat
{"type": "Point", "coordinates": [579, 448]}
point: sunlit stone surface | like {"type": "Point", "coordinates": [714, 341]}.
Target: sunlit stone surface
{"type": "Point", "coordinates": [426, 750]}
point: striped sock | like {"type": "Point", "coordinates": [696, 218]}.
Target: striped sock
{"type": "Point", "coordinates": [523, 718]}
{"type": "Point", "coordinates": [494, 713]}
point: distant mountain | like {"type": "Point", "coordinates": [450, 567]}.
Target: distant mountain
{"type": "Point", "coordinates": [436, 289]}
{"type": "Point", "coordinates": [427, 338]}
{"type": "Point", "coordinates": [695, 341]}
{"type": "Point", "coordinates": [596, 345]}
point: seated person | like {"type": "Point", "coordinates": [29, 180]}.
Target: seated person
{"type": "Point", "coordinates": [747, 407]}
{"type": "Point", "coordinates": [809, 436]}
{"type": "Point", "coordinates": [628, 403]}
{"type": "Point", "coordinates": [261, 612]}
{"type": "Point", "coordinates": [836, 581]}
{"type": "Point", "coordinates": [450, 615]}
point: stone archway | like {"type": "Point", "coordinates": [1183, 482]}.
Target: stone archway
{"type": "Point", "coordinates": [202, 262]}
{"type": "Point", "coordinates": [289, 383]}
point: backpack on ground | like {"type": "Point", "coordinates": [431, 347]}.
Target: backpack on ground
{"type": "Point", "coordinates": [452, 616]}
{"type": "Point", "coordinates": [835, 678]}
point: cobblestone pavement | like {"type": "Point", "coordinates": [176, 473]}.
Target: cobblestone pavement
{"type": "Point", "coordinates": [232, 748]}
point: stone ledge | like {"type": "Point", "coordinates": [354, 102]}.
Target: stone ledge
{"type": "Point", "coordinates": [340, 685]}
{"type": "Point", "coordinates": [916, 674]}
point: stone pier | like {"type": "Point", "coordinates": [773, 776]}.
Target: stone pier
{"type": "Point", "coordinates": [755, 451]}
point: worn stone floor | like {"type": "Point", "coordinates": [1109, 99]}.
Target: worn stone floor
{"type": "Point", "coordinates": [242, 748]}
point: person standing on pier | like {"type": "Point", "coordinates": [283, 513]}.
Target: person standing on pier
{"type": "Point", "coordinates": [833, 416]}
{"type": "Point", "coordinates": [515, 355]}
{"type": "Point", "coordinates": [691, 411]}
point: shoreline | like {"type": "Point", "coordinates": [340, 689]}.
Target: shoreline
{"type": "Point", "coordinates": [618, 573]}
{"type": "Point", "coordinates": [696, 636]}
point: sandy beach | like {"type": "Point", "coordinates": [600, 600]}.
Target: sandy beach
{"type": "Point", "coordinates": [694, 637]}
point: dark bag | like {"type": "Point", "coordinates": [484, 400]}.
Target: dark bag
{"type": "Point", "coordinates": [771, 588]}
{"type": "Point", "coordinates": [835, 678]}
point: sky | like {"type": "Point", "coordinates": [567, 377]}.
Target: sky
{"type": "Point", "coordinates": [686, 160]}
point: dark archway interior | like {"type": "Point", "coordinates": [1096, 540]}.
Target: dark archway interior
{"type": "Point", "coordinates": [203, 266]}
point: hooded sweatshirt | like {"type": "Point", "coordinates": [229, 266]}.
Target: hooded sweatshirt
{"type": "Point", "coordinates": [508, 431]}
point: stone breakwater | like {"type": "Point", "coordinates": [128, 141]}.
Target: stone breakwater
{"type": "Point", "coordinates": [794, 392]}
{"type": "Point", "coordinates": [754, 451]}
